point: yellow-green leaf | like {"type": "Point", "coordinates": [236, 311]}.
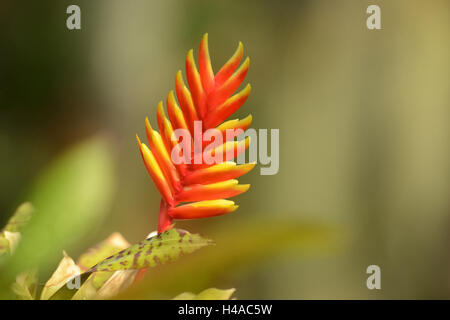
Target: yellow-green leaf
{"type": "Point", "coordinates": [4, 244]}
{"type": "Point", "coordinates": [111, 245]}
{"type": "Point", "coordinates": [153, 251]}
{"type": "Point", "coordinates": [13, 239]}
{"type": "Point", "coordinates": [239, 247]}
{"type": "Point", "coordinates": [10, 235]}
{"type": "Point", "coordinates": [20, 218]}
{"type": "Point", "coordinates": [117, 283]}
{"type": "Point", "coordinates": [25, 285]}
{"type": "Point", "coordinates": [66, 269]}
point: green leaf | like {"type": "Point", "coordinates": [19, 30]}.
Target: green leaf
{"type": "Point", "coordinates": [4, 244]}
{"type": "Point", "coordinates": [69, 197]}
{"type": "Point", "coordinates": [117, 283]}
{"type": "Point", "coordinates": [90, 289]}
{"type": "Point", "coordinates": [10, 235]}
{"type": "Point", "coordinates": [25, 285]}
{"type": "Point", "coordinates": [13, 239]}
{"type": "Point", "coordinates": [111, 245]}
{"type": "Point", "coordinates": [153, 251]}
{"type": "Point", "coordinates": [208, 294]}
{"type": "Point", "coordinates": [239, 247]}
{"type": "Point", "coordinates": [20, 218]}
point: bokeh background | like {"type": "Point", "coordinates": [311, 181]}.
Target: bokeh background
{"type": "Point", "coordinates": [363, 118]}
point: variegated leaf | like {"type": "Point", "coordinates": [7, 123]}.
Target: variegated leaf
{"type": "Point", "coordinates": [111, 245]}
{"type": "Point", "coordinates": [153, 251]}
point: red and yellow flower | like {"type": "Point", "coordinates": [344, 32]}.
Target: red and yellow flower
{"type": "Point", "coordinates": [191, 191]}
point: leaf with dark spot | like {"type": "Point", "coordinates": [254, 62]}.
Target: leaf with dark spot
{"type": "Point", "coordinates": [154, 251]}
{"type": "Point", "coordinates": [151, 252]}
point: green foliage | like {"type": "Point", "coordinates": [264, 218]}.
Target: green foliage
{"type": "Point", "coordinates": [10, 234]}
{"type": "Point", "coordinates": [20, 218]}
{"type": "Point", "coordinates": [113, 244]}
{"type": "Point", "coordinates": [237, 246]}
{"type": "Point", "coordinates": [25, 285]}
{"type": "Point", "coordinates": [165, 247]}
{"type": "Point", "coordinates": [4, 244]}
{"type": "Point", "coordinates": [98, 280]}
{"type": "Point", "coordinates": [70, 197]}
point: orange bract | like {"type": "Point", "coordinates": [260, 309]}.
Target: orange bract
{"type": "Point", "coordinates": [209, 99]}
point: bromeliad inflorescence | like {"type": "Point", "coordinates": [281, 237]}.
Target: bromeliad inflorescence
{"type": "Point", "coordinates": [207, 103]}
{"type": "Point", "coordinates": [197, 130]}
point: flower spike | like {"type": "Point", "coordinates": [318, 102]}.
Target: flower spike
{"type": "Point", "coordinates": [193, 190]}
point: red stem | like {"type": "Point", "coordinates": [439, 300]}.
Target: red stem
{"type": "Point", "coordinates": [165, 221]}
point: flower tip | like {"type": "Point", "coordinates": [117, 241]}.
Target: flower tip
{"type": "Point", "coordinates": [160, 108]}
{"type": "Point", "coordinates": [190, 55]}
{"type": "Point", "coordinates": [250, 166]}
{"type": "Point", "coordinates": [247, 90]}
{"type": "Point", "coordinates": [240, 47]}
{"type": "Point", "coordinates": [148, 125]}
{"type": "Point", "coordinates": [243, 187]}
{"type": "Point", "coordinates": [138, 140]}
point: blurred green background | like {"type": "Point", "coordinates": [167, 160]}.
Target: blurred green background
{"type": "Point", "coordinates": [363, 118]}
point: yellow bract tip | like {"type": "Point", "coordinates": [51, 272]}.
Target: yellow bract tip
{"type": "Point", "coordinates": [240, 48]}
{"type": "Point", "coordinates": [172, 96]}
{"type": "Point", "coordinates": [147, 123]}
{"type": "Point", "coordinates": [160, 108]}
{"type": "Point", "coordinates": [243, 187]}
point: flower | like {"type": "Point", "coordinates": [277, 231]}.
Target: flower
{"type": "Point", "coordinates": [199, 190]}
